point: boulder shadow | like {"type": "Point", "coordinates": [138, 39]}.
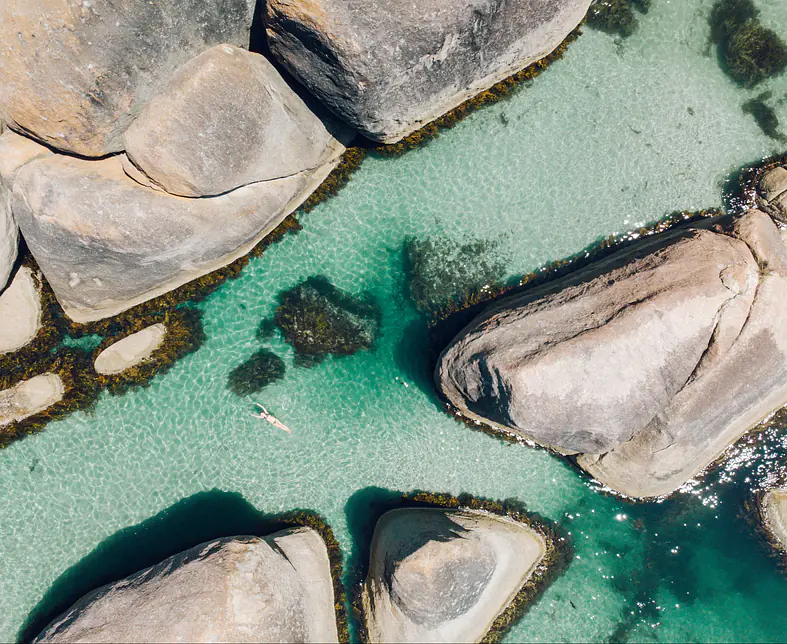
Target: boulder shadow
{"type": "Point", "coordinates": [196, 519]}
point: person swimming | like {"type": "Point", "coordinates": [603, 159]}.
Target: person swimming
{"type": "Point", "coordinates": [266, 415]}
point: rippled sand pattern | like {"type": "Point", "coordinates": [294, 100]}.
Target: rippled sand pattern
{"type": "Point", "coordinates": [617, 134]}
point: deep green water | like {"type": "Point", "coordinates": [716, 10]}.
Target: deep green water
{"type": "Point", "coordinates": [616, 135]}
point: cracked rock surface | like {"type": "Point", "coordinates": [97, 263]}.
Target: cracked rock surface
{"type": "Point", "coordinates": [647, 364]}
{"type": "Point", "coordinates": [238, 589]}
{"type": "Point", "coordinates": [197, 138]}
{"type": "Point", "coordinates": [388, 68]}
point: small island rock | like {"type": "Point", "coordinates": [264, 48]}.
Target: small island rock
{"type": "Point", "coordinates": [74, 74]}
{"type": "Point", "coordinates": [30, 397]}
{"type": "Point", "coordinates": [388, 68]}
{"type": "Point", "coordinates": [649, 363]}
{"type": "Point", "coordinates": [198, 138]}
{"type": "Point", "coordinates": [238, 589]}
{"type": "Point", "coordinates": [20, 311]}
{"type": "Point", "coordinates": [445, 575]}
{"type": "Point", "coordinates": [130, 351]}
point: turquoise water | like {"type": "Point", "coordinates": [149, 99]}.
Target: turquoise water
{"type": "Point", "coordinates": [616, 135]}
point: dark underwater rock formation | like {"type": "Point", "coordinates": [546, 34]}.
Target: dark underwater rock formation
{"type": "Point", "coordinates": [262, 369]}
{"type": "Point", "coordinates": [319, 320]}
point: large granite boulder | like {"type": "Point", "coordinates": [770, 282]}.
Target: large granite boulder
{"type": "Point", "coordinates": [106, 243]}
{"type": "Point", "coordinates": [74, 74]}
{"type": "Point", "coordinates": [444, 576]}
{"type": "Point", "coordinates": [388, 68]}
{"type": "Point", "coordinates": [20, 311]}
{"type": "Point", "coordinates": [649, 363]}
{"type": "Point", "coordinates": [238, 589]}
{"type": "Point", "coordinates": [226, 119]}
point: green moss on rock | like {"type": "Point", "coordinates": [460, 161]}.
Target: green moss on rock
{"type": "Point", "coordinates": [727, 16]}
{"type": "Point", "coordinates": [318, 320]}
{"type": "Point", "coordinates": [765, 116]}
{"type": "Point", "coordinates": [262, 369]}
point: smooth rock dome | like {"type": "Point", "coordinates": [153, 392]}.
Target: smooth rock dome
{"type": "Point", "coordinates": [74, 74]}
{"type": "Point", "coordinates": [388, 68]}
{"type": "Point", "coordinates": [649, 363]}
{"type": "Point", "coordinates": [238, 589]}
{"type": "Point", "coordinates": [30, 397]}
{"type": "Point", "coordinates": [444, 576]}
{"type": "Point", "coordinates": [131, 350]}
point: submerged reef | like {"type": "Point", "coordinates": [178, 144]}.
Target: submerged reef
{"type": "Point", "coordinates": [263, 368]}
{"type": "Point", "coordinates": [765, 116]}
{"type": "Point", "coordinates": [750, 53]}
{"type": "Point", "coordinates": [616, 16]}
{"type": "Point", "coordinates": [440, 272]}
{"type": "Point", "coordinates": [318, 320]}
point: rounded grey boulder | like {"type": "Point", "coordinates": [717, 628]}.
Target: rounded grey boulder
{"type": "Point", "coordinates": [388, 68]}
{"type": "Point", "coordinates": [443, 575]}
{"type": "Point", "coordinates": [649, 363]}
{"type": "Point", "coordinates": [74, 74]}
{"type": "Point", "coordinates": [227, 119]}
{"type": "Point", "coordinates": [238, 589]}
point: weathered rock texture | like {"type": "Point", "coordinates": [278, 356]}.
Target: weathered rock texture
{"type": "Point", "coordinates": [772, 193]}
{"type": "Point", "coordinates": [130, 351]}
{"type": "Point", "coordinates": [239, 589]}
{"type": "Point", "coordinates": [30, 397]}
{"type": "Point", "coordinates": [649, 363]}
{"type": "Point", "coordinates": [9, 237]}
{"type": "Point", "coordinates": [774, 510]}
{"type": "Point", "coordinates": [74, 74]}
{"type": "Point", "coordinates": [444, 576]}
{"type": "Point", "coordinates": [20, 311]}
{"type": "Point", "coordinates": [226, 119]}
{"type": "Point", "coordinates": [105, 242]}
{"type": "Point", "coordinates": [388, 68]}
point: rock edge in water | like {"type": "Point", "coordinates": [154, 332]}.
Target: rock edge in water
{"type": "Point", "coordinates": [649, 363]}
{"type": "Point", "coordinates": [237, 589]}
{"type": "Point", "coordinates": [130, 351]}
{"type": "Point", "coordinates": [445, 575]}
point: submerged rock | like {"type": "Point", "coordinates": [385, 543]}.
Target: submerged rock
{"type": "Point", "coordinates": [106, 243]}
{"type": "Point", "coordinates": [20, 311]}
{"type": "Point", "coordinates": [198, 138]}
{"type": "Point", "coordinates": [318, 320]}
{"type": "Point", "coordinates": [774, 512]}
{"type": "Point", "coordinates": [262, 369]}
{"type": "Point", "coordinates": [74, 74]}
{"type": "Point", "coordinates": [441, 272]}
{"type": "Point", "coordinates": [444, 576]}
{"type": "Point", "coordinates": [130, 351]}
{"type": "Point", "coordinates": [388, 68]}
{"type": "Point", "coordinates": [649, 363]}
{"type": "Point", "coordinates": [30, 397]}
{"type": "Point", "coordinates": [238, 589]}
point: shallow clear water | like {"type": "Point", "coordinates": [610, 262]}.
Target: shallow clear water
{"type": "Point", "coordinates": [617, 134]}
